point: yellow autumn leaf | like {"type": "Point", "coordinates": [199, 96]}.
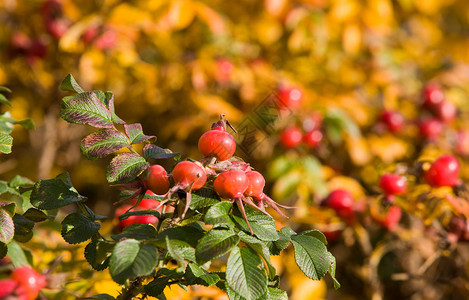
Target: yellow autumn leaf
{"type": "Point", "coordinates": [358, 150]}
{"type": "Point", "coordinates": [388, 147]}
{"type": "Point", "coordinates": [180, 13]}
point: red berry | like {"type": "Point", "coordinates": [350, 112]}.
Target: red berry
{"type": "Point", "coordinates": [37, 48]}
{"type": "Point", "coordinates": [224, 69]}
{"type": "Point", "coordinates": [392, 184]}
{"type": "Point", "coordinates": [393, 120]}
{"type": "Point", "coordinates": [431, 128]}
{"type": "Point", "coordinates": [446, 111]}
{"type": "Point", "coordinates": [341, 201]}
{"type": "Point", "coordinates": [20, 42]}
{"type": "Point", "coordinates": [462, 143]}
{"type": "Point", "coordinates": [147, 203]}
{"type": "Point", "coordinates": [157, 180]}
{"type": "Point", "coordinates": [432, 95]}
{"type": "Point", "coordinates": [291, 137]}
{"type": "Point", "coordinates": [392, 218]}
{"type": "Point", "coordinates": [187, 173]}
{"type": "Point", "coordinates": [231, 184]}
{"type": "Point", "coordinates": [30, 280]}
{"type": "Point", "coordinates": [106, 40]}
{"type": "Point", "coordinates": [313, 138]}
{"type": "Point", "coordinates": [443, 172]}
{"type": "Point", "coordinates": [290, 97]}
{"type": "Point", "coordinates": [133, 219]}
{"type": "Point", "coordinates": [90, 34]}
{"type": "Point", "coordinates": [312, 122]}
{"type": "Point", "coordinates": [217, 143]}
{"type": "Point", "coordinates": [57, 27]}
{"type": "Point", "coordinates": [7, 287]}
{"type": "Point", "coordinates": [256, 185]}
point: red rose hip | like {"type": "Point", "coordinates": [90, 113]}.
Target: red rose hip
{"type": "Point", "coordinates": [291, 137]}
{"type": "Point", "coordinates": [443, 172]}
{"type": "Point", "coordinates": [392, 184]}
{"type": "Point", "coordinates": [157, 180]}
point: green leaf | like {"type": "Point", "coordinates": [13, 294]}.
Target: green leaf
{"type": "Point", "coordinates": [3, 250]}
{"type": "Point", "coordinates": [6, 141]}
{"type": "Point", "coordinates": [4, 100]}
{"type": "Point", "coordinates": [86, 108]}
{"type": "Point", "coordinates": [137, 231]}
{"type": "Point", "coordinates": [317, 234]}
{"type": "Point", "coordinates": [77, 228]}
{"type": "Point", "coordinates": [3, 187]}
{"type": "Point", "coordinates": [9, 207]}
{"type": "Point", "coordinates": [219, 215]}
{"type": "Point", "coordinates": [4, 89]}
{"type": "Point", "coordinates": [284, 240]}
{"type": "Point", "coordinates": [103, 142]}
{"type": "Point", "coordinates": [156, 287]}
{"type": "Point", "coordinates": [174, 251]}
{"type": "Point", "coordinates": [135, 133]}
{"type": "Point", "coordinates": [131, 259]}
{"type": "Point", "coordinates": [311, 256]}
{"type": "Point", "coordinates": [35, 215]}
{"type": "Point", "coordinates": [243, 274]}
{"type": "Point", "coordinates": [98, 254]}
{"type": "Point", "coordinates": [276, 294]}
{"type": "Point", "coordinates": [23, 228]}
{"type": "Point", "coordinates": [125, 167]}
{"type": "Point", "coordinates": [55, 193]}
{"type": "Point", "coordinates": [7, 227]}
{"type": "Point", "coordinates": [190, 234]}
{"type": "Point", "coordinates": [263, 226]}
{"type": "Point", "coordinates": [332, 271]}
{"type": "Point", "coordinates": [69, 84]}
{"type": "Point", "coordinates": [196, 275]}
{"type": "Point", "coordinates": [18, 181]}
{"type": "Point", "coordinates": [215, 243]}
{"type": "Point", "coordinates": [204, 197]}
{"type": "Point", "coordinates": [17, 255]}
{"type": "Point", "coordinates": [260, 247]}
{"type": "Point", "coordinates": [148, 212]}
{"type": "Point", "coordinates": [110, 103]}
{"type": "Point", "coordinates": [155, 152]}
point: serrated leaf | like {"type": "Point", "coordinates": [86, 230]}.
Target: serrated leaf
{"type": "Point", "coordinates": [9, 207]}
{"type": "Point", "coordinates": [6, 141]}
{"type": "Point", "coordinates": [215, 243]}
{"type": "Point", "coordinates": [18, 181]}
{"type": "Point", "coordinates": [311, 256]}
{"type": "Point", "coordinates": [3, 250]}
{"type": "Point", "coordinates": [86, 108]}
{"type": "Point", "coordinates": [155, 152]}
{"type": "Point", "coordinates": [131, 259]}
{"type": "Point", "coordinates": [23, 228]}
{"type": "Point", "coordinates": [243, 274]}
{"type": "Point", "coordinates": [203, 197]}
{"type": "Point", "coordinates": [16, 254]}
{"type": "Point", "coordinates": [69, 84]}
{"type": "Point", "coordinates": [188, 233]}
{"type": "Point", "coordinates": [317, 234]}
{"type": "Point", "coordinates": [156, 287]}
{"type": "Point", "coordinates": [125, 167]}
{"type": "Point", "coordinates": [196, 275]}
{"type": "Point", "coordinates": [263, 226]}
{"type": "Point", "coordinates": [135, 133]}
{"type": "Point", "coordinates": [77, 228]}
{"type": "Point", "coordinates": [260, 247]}
{"type": "Point", "coordinates": [4, 100]}
{"type": "Point", "coordinates": [98, 254]}
{"type": "Point", "coordinates": [3, 187]}
{"type": "Point", "coordinates": [276, 294]}
{"type": "Point", "coordinates": [35, 215]}
{"type": "Point", "coordinates": [7, 227]}
{"type": "Point", "coordinates": [55, 193]}
{"type": "Point", "coordinates": [279, 245]}
{"type": "Point", "coordinates": [174, 251]}
{"type": "Point", "coordinates": [103, 142]}
{"type": "Point", "coordinates": [110, 100]}
{"type": "Point", "coordinates": [219, 215]}
{"type": "Point", "coordinates": [137, 231]}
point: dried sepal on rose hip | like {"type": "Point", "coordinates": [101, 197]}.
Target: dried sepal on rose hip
{"type": "Point", "coordinates": [217, 142]}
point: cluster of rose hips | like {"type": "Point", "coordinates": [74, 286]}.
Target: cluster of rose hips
{"type": "Point", "coordinates": [232, 179]}
{"type": "Point", "coordinates": [24, 284]}
{"type": "Point", "coordinates": [444, 171]}
{"type": "Point", "coordinates": [310, 133]}
{"type": "Point", "coordinates": [54, 19]}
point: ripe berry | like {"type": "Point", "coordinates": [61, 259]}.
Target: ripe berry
{"type": "Point", "coordinates": [31, 281]}
{"type": "Point", "coordinates": [443, 172]}
{"type": "Point", "coordinates": [392, 184]}
{"type": "Point", "coordinates": [431, 128]}
{"type": "Point", "coordinates": [90, 34]}
{"type": "Point", "coordinates": [147, 203]}
{"type": "Point", "coordinates": [312, 122]}
{"type": "Point", "coordinates": [313, 138]}
{"type": "Point", "coordinates": [393, 120]}
{"type": "Point", "coordinates": [291, 137]}
{"type": "Point", "coordinates": [392, 218]}
{"type": "Point", "coordinates": [290, 97]}
{"type": "Point", "coordinates": [224, 69]}
{"type": "Point", "coordinates": [157, 180]}
{"type": "Point", "coordinates": [57, 27]}
{"type": "Point", "coordinates": [188, 174]}
{"type": "Point", "coordinates": [342, 202]}
{"type": "Point", "coordinates": [217, 143]}
{"type": "Point", "coordinates": [132, 219]}
{"type": "Point", "coordinates": [445, 110]}
{"type": "Point", "coordinates": [7, 287]}
{"type": "Point", "coordinates": [106, 40]}
{"type": "Point", "coordinates": [462, 143]}
{"type": "Point", "coordinates": [231, 184]}
{"type": "Point", "coordinates": [432, 95]}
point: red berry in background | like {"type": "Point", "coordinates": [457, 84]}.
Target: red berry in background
{"type": "Point", "coordinates": [312, 138]}
{"type": "Point", "coordinates": [341, 201]}
{"type": "Point", "coordinates": [157, 180]}
{"type": "Point", "coordinates": [443, 172]}
{"type": "Point", "coordinates": [187, 173]}
{"type": "Point", "coordinates": [392, 218]}
{"type": "Point", "coordinates": [231, 184]}
{"type": "Point", "coordinates": [393, 120]}
{"type": "Point", "coordinates": [431, 128]}
{"type": "Point", "coordinates": [20, 43]}
{"type": "Point", "coordinates": [106, 40]}
{"type": "Point", "coordinates": [291, 137]}
{"type": "Point", "coordinates": [392, 184]}
{"type": "Point", "coordinates": [432, 95]}
{"type": "Point", "coordinates": [217, 143]}
{"type": "Point", "coordinates": [290, 97]}
{"type": "Point", "coordinates": [57, 27]}
{"type": "Point", "coordinates": [314, 121]}
{"type": "Point", "coordinates": [7, 287]}
{"type": "Point", "coordinates": [31, 281]}
{"type": "Point", "coordinates": [90, 34]}
{"type": "Point", "coordinates": [132, 219]}
{"type": "Point", "coordinates": [37, 48]}
{"type": "Point", "coordinates": [445, 110]}
{"type": "Point", "coordinates": [462, 143]}
{"type": "Point", "coordinates": [224, 69]}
